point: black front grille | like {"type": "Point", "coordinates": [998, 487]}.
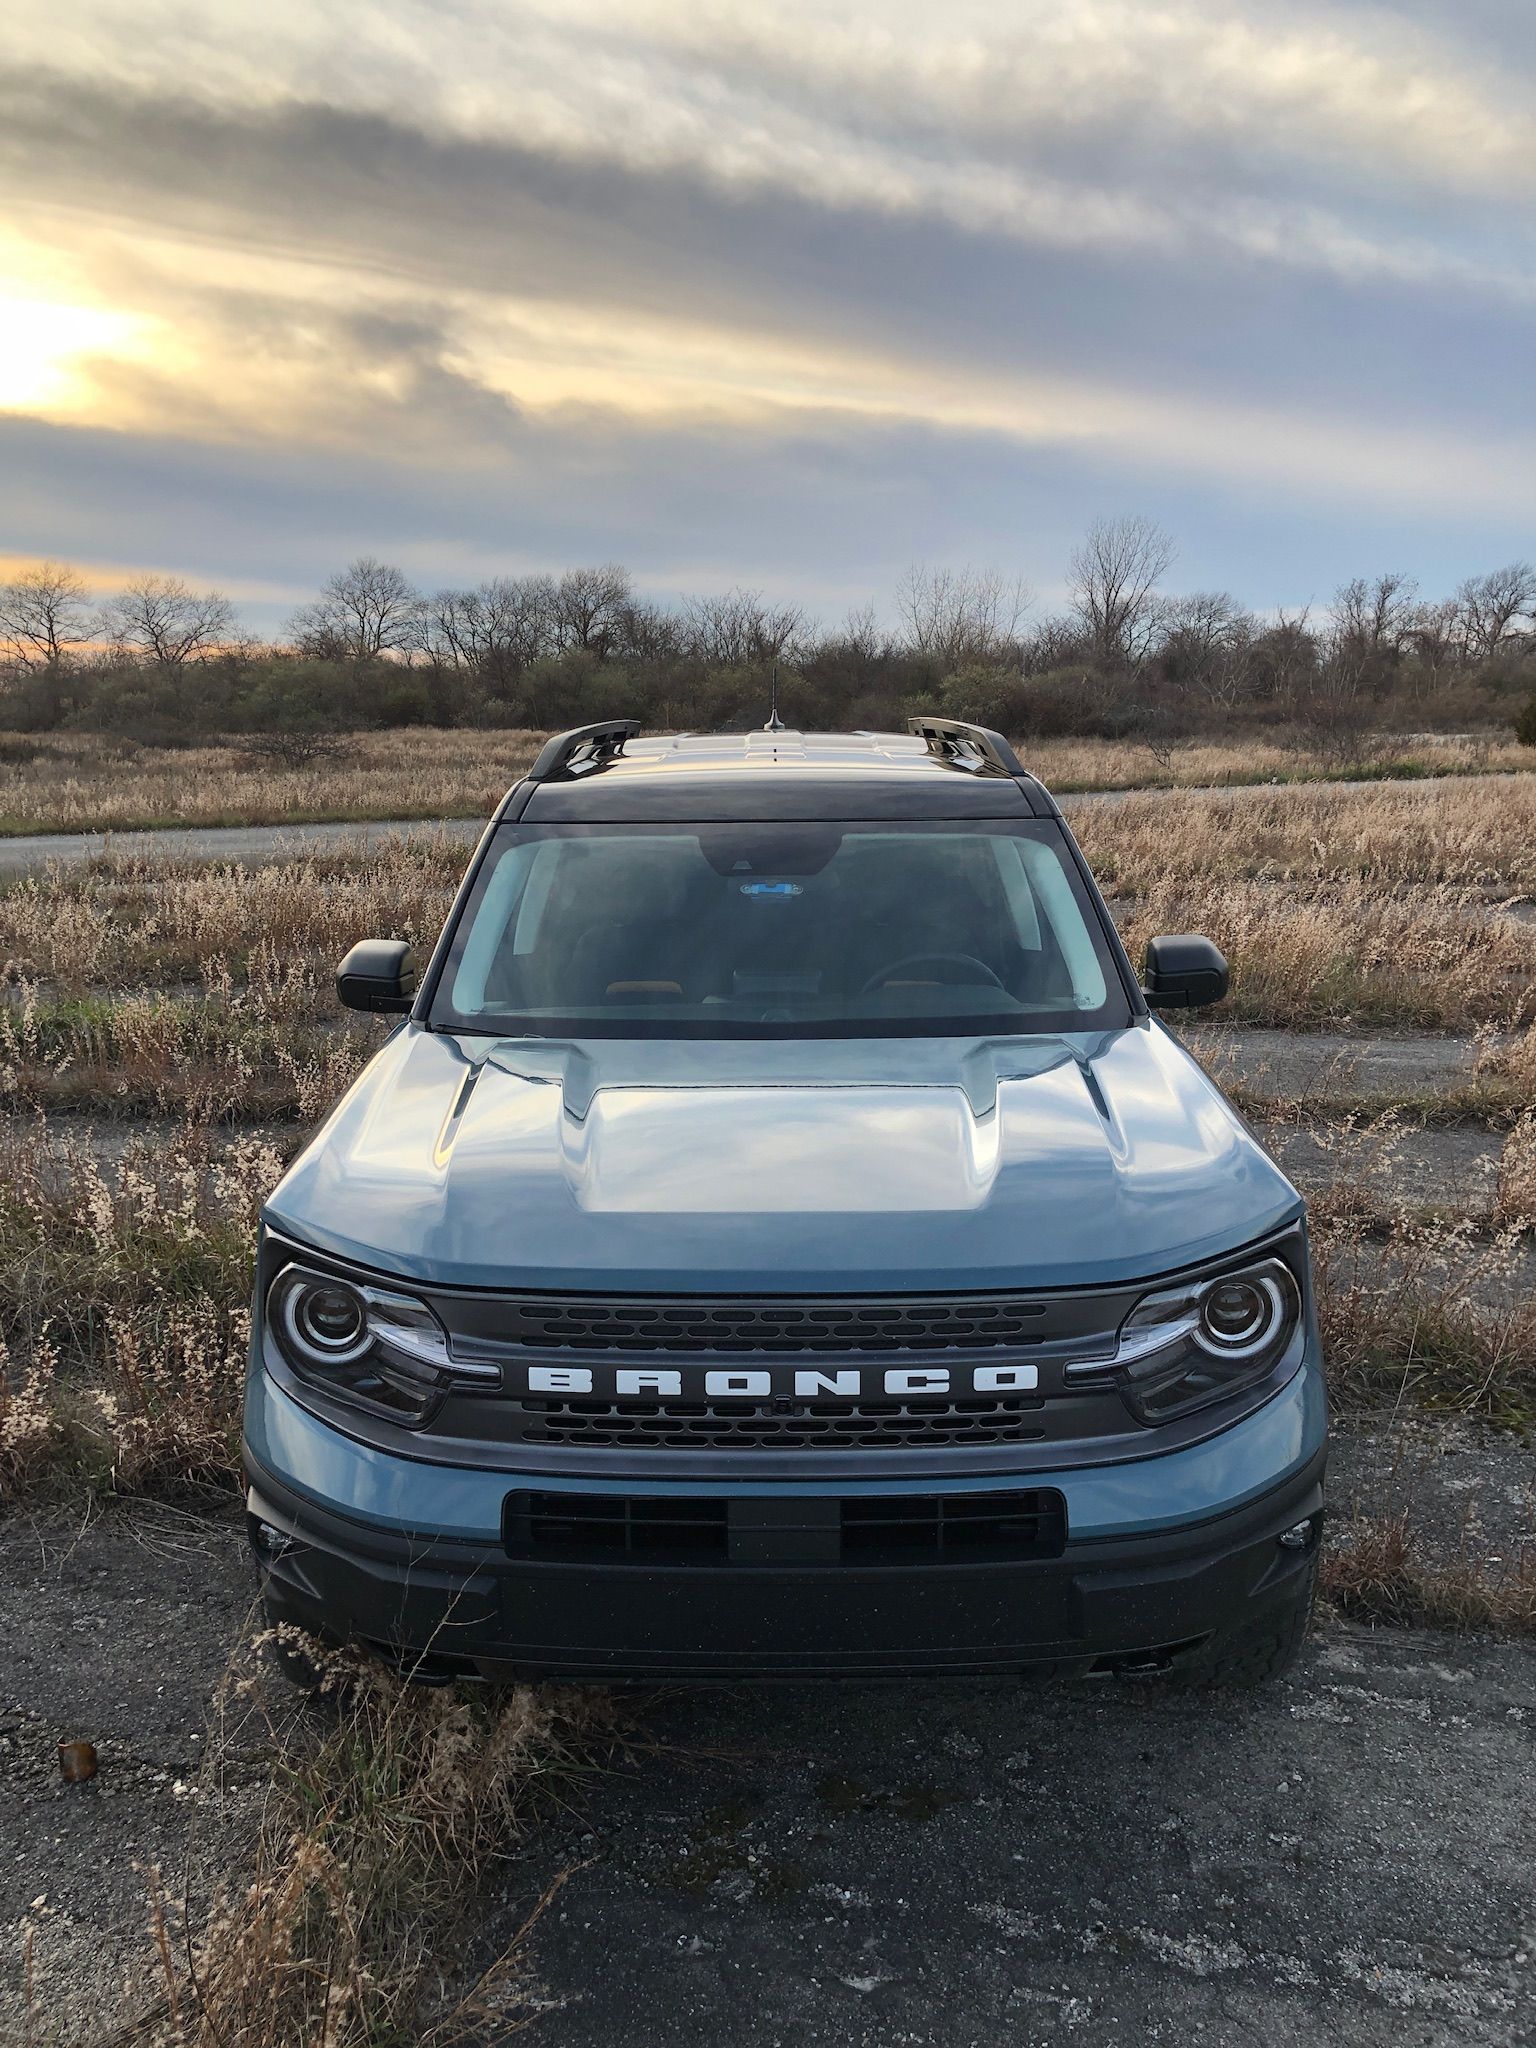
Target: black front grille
{"type": "Point", "coordinates": [790, 1426]}
{"type": "Point", "coordinates": [959, 1525]}
{"type": "Point", "coordinates": [658, 1529]}
{"type": "Point", "coordinates": [778, 1327]}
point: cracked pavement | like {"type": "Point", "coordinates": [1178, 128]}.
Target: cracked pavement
{"type": "Point", "coordinates": [1346, 1857]}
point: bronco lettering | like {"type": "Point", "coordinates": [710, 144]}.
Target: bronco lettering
{"type": "Point", "coordinates": [757, 1384]}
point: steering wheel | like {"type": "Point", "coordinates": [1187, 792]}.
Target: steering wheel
{"type": "Point", "coordinates": [980, 969]}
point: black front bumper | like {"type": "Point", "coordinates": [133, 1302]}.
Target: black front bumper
{"type": "Point", "coordinates": [442, 1608]}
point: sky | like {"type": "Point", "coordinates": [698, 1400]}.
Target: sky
{"type": "Point", "coordinates": [787, 296]}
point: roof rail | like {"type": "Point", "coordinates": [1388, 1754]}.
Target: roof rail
{"type": "Point", "coordinates": [967, 746]}
{"type": "Point", "coordinates": [584, 747]}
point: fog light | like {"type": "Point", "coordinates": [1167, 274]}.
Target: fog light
{"type": "Point", "coordinates": [1297, 1537]}
{"type": "Point", "coordinates": [275, 1543]}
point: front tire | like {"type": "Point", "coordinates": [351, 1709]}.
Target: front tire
{"type": "Point", "coordinates": [1256, 1652]}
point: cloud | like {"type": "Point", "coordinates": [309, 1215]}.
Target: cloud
{"type": "Point", "coordinates": [1084, 122]}
{"type": "Point", "coordinates": [1207, 242]}
{"type": "Point", "coordinates": [830, 518]}
{"type": "Point", "coordinates": [343, 280]}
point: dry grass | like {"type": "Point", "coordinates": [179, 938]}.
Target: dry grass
{"type": "Point", "coordinates": [383, 1815]}
{"type": "Point", "coordinates": [1067, 765]}
{"type": "Point", "coordinates": [123, 1306]}
{"type": "Point", "coordinates": [123, 1312]}
{"type": "Point", "coordinates": [1473, 836]}
{"type": "Point", "coordinates": [77, 782]}
{"type": "Point", "coordinates": [86, 782]}
{"type": "Point", "coordinates": [206, 989]}
{"type": "Point", "coordinates": [1374, 1569]}
{"type": "Point", "coordinates": [1427, 1311]}
{"type": "Point", "coordinates": [202, 990]}
{"type": "Point", "coordinates": [1389, 906]}
{"type": "Point", "coordinates": [119, 922]}
{"type": "Point", "coordinates": [1351, 957]}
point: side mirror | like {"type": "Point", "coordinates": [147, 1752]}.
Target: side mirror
{"type": "Point", "coordinates": [378, 975]}
{"type": "Point", "coordinates": [1184, 972]}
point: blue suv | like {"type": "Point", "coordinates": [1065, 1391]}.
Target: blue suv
{"type": "Point", "coordinates": [777, 1241]}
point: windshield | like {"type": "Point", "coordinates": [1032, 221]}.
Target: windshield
{"type": "Point", "coordinates": [779, 930]}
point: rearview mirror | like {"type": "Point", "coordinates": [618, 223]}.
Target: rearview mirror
{"type": "Point", "coordinates": [378, 976]}
{"type": "Point", "coordinates": [1184, 972]}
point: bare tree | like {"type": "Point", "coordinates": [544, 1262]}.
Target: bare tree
{"type": "Point", "coordinates": [44, 615]}
{"type": "Point", "coordinates": [642, 631]}
{"type": "Point", "coordinates": [1490, 605]}
{"type": "Point", "coordinates": [587, 604]}
{"type": "Point", "coordinates": [1284, 656]}
{"type": "Point", "coordinates": [1371, 627]}
{"type": "Point", "coordinates": [861, 635]}
{"type": "Point", "coordinates": [162, 619]}
{"type": "Point", "coordinates": [366, 610]}
{"type": "Point", "coordinates": [1112, 584]}
{"type": "Point", "coordinates": [493, 631]}
{"type": "Point", "coordinates": [1375, 617]}
{"type": "Point", "coordinates": [960, 615]}
{"type": "Point", "coordinates": [741, 630]}
{"type": "Point", "coordinates": [1438, 635]}
{"type": "Point", "coordinates": [1205, 643]}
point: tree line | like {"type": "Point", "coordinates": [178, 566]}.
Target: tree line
{"type": "Point", "coordinates": [158, 658]}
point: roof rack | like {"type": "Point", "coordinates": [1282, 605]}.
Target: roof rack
{"type": "Point", "coordinates": [972, 747]}
{"type": "Point", "coordinates": [584, 748]}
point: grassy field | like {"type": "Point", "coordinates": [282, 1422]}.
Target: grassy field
{"type": "Point", "coordinates": [135, 985]}
{"type": "Point", "coordinates": [1393, 906]}
{"type": "Point", "coordinates": [86, 782]}
{"type": "Point", "coordinates": [79, 782]}
{"type": "Point", "coordinates": [200, 993]}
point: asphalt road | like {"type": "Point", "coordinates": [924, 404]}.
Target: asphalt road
{"type": "Point", "coordinates": [1345, 1858]}
{"type": "Point", "coordinates": [21, 855]}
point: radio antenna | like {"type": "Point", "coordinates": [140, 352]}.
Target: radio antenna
{"type": "Point", "coordinates": [775, 723]}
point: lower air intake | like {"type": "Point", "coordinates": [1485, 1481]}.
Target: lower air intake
{"type": "Point", "coordinates": [660, 1529]}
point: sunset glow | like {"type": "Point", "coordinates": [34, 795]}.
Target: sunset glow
{"type": "Point", "coordinates": [791, 297]}
{"type": "Point", "coordinates": [45, 350]}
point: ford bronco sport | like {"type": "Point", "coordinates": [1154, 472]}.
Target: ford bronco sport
{"type": "Point", "coordinates": [778, 1240]}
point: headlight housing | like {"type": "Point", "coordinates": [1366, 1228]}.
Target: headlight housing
{"type": "Point", "coordinates": [1183, 1347]}
{"type": "Point", "coordinates": [368, 1347]}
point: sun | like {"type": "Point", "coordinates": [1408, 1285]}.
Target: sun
{"type": "Point", "coordinates": [45, 344]}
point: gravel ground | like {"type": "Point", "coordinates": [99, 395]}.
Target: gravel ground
{"type": "Point", "coordinates": [1469, 1490]}
{"type": "Point", "coordinates": [1343, 1858]}
{"type": "Point", "coordinates": [119, 1633]}
{"type": "Point", "coordinates": [1454, 1168]}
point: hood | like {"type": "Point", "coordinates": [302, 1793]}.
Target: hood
{"type": "Point", "coordinates": [831, 1166]}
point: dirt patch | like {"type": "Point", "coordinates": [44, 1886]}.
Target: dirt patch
{"type": "Point", "coordinates": [1312, 1065]}
{"type": "Point", "coordinates": [1452, 1168]}
{"type": "Point", "coordinates": [1468, 1491]}
{"type": "Point", "coordinates": [119, 1633]}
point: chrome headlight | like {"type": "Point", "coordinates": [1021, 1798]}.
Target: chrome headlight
{"type": "Point", "coordinates": [367, 1346]}
{"type": "Point", "coordinates": [1184, 1347]}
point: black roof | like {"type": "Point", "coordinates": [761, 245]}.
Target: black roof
{"type": "Point", "coordinates": [761, 775]}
